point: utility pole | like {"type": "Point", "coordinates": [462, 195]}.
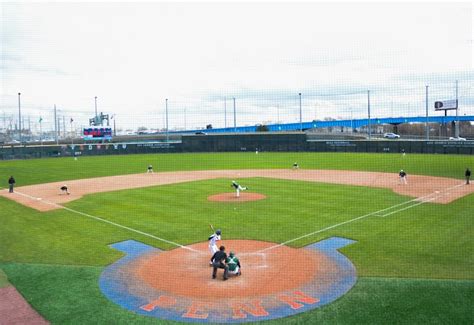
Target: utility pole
{"type": "Point", "coordinates": [427, 125]}
{"type": "Point", "coordinates": [368, 109]}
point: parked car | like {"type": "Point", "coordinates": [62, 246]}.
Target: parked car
{"type": "Point", "coordinates": [457, 139]}
{"type": "Point", "coordinates": [391, 136]}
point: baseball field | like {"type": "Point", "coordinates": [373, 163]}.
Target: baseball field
{"type": "Point", "coordinates": [412, 245]}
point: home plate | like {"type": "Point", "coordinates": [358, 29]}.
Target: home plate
{"type": "Point", "coordinates": [38, 198]}
{"type": "Point", "coordinates": [436, 192]}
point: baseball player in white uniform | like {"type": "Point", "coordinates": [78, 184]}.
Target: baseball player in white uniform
{"type": "Point", "coordinates": [213, 239]}
{"type": "Point", "coordinates": [238, 188]}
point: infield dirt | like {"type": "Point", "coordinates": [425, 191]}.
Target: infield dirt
{"type": "Point", "coordinates": [45, 197]}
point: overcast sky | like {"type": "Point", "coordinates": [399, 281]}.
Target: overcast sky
{"type": "Point", "coordinates": [133, 56]}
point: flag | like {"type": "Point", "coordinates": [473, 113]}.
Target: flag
{"type": "Point", "coordinates": [41, 119]}
{"type": "Point", "coordinates": [72, 120]}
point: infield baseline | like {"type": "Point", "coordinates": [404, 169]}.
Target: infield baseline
{"type": "Point", "coordinates": [424, 199]}
{"type": "Point", "coordinates": [109, 222]}
{"type": "Point", "coordinates": [375, 213]}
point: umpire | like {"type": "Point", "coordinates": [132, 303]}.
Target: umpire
{"type": "Point", "coordinates": [218, 262]}
{"type": "Point", "coordinates": [11, 184]}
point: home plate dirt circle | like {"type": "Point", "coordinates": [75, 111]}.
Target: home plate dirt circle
{"type": "Point", "coordinates": [276, 281]}
{"type": "Point", "coordinates": [231, 197]}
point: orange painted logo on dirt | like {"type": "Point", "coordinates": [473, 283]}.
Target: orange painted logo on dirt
{"type": "Point", "coordinates": [276, 281]}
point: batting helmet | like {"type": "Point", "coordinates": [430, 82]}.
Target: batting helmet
{"type": "Point", "coordinates": [218, 232]}
{"type": "Point", "coordinates": [231, 254]}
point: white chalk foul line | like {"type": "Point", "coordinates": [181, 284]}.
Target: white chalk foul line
{"type": "Point", "coordinates": [439, 194]}
{"type": "Point", "coordinates": [107, 221]}
{"type": "Point", "coordinates": [425, 200]}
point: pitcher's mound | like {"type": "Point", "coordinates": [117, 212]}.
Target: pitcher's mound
{"type": "Point", "coordinates": [230, 197]}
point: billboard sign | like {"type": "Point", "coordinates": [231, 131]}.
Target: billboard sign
{"type": "Point", "coordinates": [446, 105]}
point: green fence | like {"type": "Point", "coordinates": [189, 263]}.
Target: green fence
{"type": "Point", "coordinates": [239, 142]}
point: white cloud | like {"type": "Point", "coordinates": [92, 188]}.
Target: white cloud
{"type": "Point", "coordinates": [134, 55]}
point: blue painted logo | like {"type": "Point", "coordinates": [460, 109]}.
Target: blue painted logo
{"type": "Point", "coordinates": [138, 283]}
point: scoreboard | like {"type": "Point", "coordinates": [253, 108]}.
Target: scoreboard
{"type": "Point", "coordinates": [97, 133]}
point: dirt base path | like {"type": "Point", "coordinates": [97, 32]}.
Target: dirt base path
{"type": "Point", "coordinates": [15, 310]}
{"type": "Point", "coordinates": [45, 197]}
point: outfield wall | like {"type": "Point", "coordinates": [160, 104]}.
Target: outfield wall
{"type": "Point", "coordinates": [241, 142]}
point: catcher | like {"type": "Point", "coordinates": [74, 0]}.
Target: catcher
{"type": "Point", "coordinates": [232, 266]}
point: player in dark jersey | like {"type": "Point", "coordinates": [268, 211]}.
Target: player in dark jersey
{"type": "Point", "coordinates": [64, 189]}
{"type": "Point", "coordinates": [218, 262]}
{"type": "Point", "coordinates": [403, 177]}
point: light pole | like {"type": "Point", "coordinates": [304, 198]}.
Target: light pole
{"type": "Point", "coordinates": [41, 130]}
{"type": "Point", "coordinates": [167, 135]}
{"type": "Point", "coordinates": [352, 122]}
{"type": "Point", "coordinates": [225, 113]}
{"type": "Point", "coordinates": [235, 119]}
{"type": "Point", "coordinates": [368, 111]}
{"type": "Point", "coordinates": [185, 119]}
{"type": "Point", "coordinates": [72, 133]}
{"type": "Point", "coordinates": [426, 107]}
{"type": "Point", "coordinates": [19, 116]}
{"type": "Point", "coordinates": [95, 102]}
{"type": "Point", "coordinates": [55, 125]}
{"type": "Point", "coordinates": [301, 120]}
{"type": "Point", "coordinates": [456, 126]}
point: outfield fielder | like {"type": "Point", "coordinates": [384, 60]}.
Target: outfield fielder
{"type": "Point", "coordinates": [238, 188]}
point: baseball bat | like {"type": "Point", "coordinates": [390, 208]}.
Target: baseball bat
{"type": "Point", "coordinates": [211, 227]}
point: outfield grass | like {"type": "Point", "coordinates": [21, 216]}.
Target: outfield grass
{"type": "Point", "coordinates": [58, 169]}
{"type": "Point", "coordinates": [413, 267]}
